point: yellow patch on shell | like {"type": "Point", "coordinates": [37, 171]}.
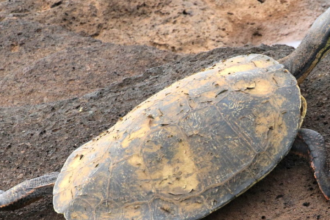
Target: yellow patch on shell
{"type": "Point", "coordinates": [180, 176]}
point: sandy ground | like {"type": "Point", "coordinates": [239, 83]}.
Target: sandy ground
{"type": "Point", "coordinates": [70, 69]}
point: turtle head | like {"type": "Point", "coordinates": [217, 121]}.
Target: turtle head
{"type": "Point", "coordinates": [313, 48]}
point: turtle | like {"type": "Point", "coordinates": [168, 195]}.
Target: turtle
{"type": "Point", "coordinates": [196, 145]}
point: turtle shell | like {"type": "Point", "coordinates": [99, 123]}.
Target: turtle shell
{"type": "Point", "coordinates": [189, 149]}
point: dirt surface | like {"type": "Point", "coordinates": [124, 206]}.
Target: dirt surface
{"type": "Point", "coordinates": [64, 79]}
{"type": "Point", "coordinates": [176, 25]}
{"type": "Point", "coordinates": [34, 57]}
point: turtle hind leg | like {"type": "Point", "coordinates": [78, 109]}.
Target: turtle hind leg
{"type": "Point", "coordinates": [27, 192]}
{"type": "Point", "coordinates": [310, 144]}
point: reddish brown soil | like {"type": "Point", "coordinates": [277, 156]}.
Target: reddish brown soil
{"type": "Point", "coordinates": [176, 25]}
{"type": "Point", "coordinates": [65, 78]}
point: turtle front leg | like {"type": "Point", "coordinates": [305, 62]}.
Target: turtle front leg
{"type": "Point", "coordinates": [27, 192]}
{"type": "Point", "coordinates": [310, 144]}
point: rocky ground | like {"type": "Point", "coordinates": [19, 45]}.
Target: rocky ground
{"type": "Point", "coordinates": [70, 69]}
